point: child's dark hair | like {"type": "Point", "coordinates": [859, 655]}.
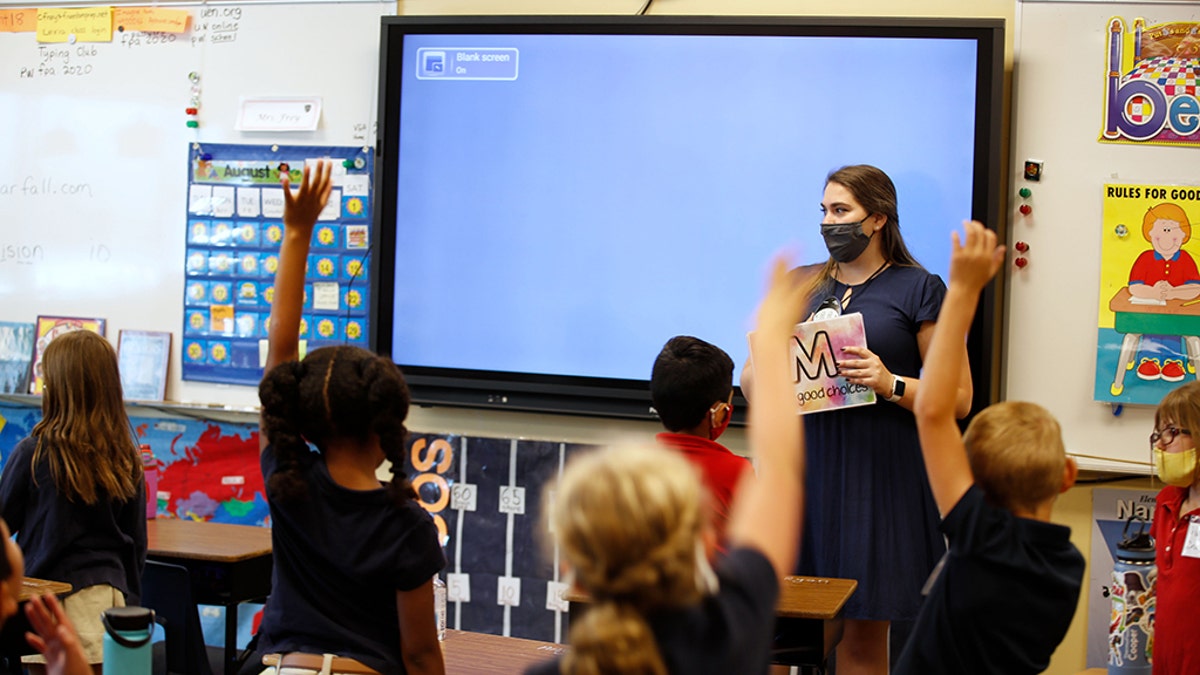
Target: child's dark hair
{"type": "Point", "coordinates": [689, 376]}
{"type": "Point", "coordinates": [334, 392]}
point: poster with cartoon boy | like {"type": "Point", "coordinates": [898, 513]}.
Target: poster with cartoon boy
{"type": "Point", "coordinates": [1149, 324]}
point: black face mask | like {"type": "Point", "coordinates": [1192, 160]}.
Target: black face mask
{"type": "Point", "coordinates": [845, 241]}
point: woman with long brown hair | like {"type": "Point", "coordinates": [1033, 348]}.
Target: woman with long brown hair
{"type": "Point", "coordinates": [870, 514]}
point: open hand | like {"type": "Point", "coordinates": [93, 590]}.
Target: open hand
{"type": "Point", "coordinates": [974, 262]}
{"type": "Point", "coordinates": [55, 637]}
{"type": "Point", "coordinates": [302, 208]}
{"type": "Point", "coordinates": [785, 301]}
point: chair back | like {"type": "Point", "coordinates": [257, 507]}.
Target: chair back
{"type": "Point", "coordinates": [167, 589]}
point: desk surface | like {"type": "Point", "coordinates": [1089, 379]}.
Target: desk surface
{"type": "Point", "coordinates": [813, 597]}
{"type": "Point", "coordinates": [31, 587]}
{"type": "Point", "coordinates": [1122, 301]}
{"type": "Point", "coordinates": [479, 653]}
{"type": "Point", "coordinates": [196, 540]}
{"type": "Point", "coordinates": [799, 597]}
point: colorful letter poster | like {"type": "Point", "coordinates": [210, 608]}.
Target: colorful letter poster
{"type": "Point", "coordinates": [1149, 326]}
{"type": "Point", "coordinates": [234, 229]}
{"type": "Point", "coordinates": [815, 348]}
{"type": "Point", "coordinates": [1150, 89]}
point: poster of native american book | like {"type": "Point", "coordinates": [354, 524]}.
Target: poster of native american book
{"type": "Point", "coordinates": [1152, 74]}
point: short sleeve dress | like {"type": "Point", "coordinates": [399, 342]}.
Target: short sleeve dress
{"type": "Point", "coordinates": [869, 512]}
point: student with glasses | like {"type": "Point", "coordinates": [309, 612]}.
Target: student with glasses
{"type": "Point", "coordinates": [1176, 532]}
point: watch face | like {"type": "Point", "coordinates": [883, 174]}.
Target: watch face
{"type": "Point", "coordinates": [898, 387]}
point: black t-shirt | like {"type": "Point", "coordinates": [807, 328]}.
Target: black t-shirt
{"type": "Point", "coordinates": [729, 632]}
{"type": "Point", "coordinates": [340, 556]}
{"type": "Point", "coordinates": [83, 545]}
{"type": "Point", "coordinates": [1003, 600]}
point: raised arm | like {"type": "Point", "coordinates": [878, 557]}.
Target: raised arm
{"type": "Point", "coordinates": [767, 511]}
{"type": "Point", "coordinates": [300, 213]}
{"type": "Point", "coordinates": [972, 266]}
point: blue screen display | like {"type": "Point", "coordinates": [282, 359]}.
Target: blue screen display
{"type": "Point", "coordinates": [567, 203]}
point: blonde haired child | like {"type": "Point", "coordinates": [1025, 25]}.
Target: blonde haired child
{"type": "Point", "coordinates": [1006, 591]}
{"type": "Point", "coordinates": [631, 527]}
{"type": "Point", "coordinates": [73, 492]}
{"type": "Point", "coordinates": [354, 558]}
{"type": "Point", "coordinates": [1176, 532]}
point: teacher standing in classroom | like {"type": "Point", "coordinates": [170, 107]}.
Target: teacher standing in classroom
{"type": "Point", "coordinates": [869, 513]}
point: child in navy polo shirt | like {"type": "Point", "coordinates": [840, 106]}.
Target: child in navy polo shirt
{"type": "Point", "coordinates": [354, 558]}
{"type": "Point", "coordinates": [1004, 594]}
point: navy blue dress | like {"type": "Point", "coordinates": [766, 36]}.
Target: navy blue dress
{"type": "Point", "coordinates": [869, 513]}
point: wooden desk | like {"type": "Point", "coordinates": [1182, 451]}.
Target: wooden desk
{"type": "Point", "coordinates": [31, 587]}
{"type": "Point", "coordinates": [1177, 317]}
{"type": "Point", "coordinates": [482, 654]}
{"type": "Point", "coordinates": [808, 621]}
{"type": "Point", "coordinates": [228, 565]}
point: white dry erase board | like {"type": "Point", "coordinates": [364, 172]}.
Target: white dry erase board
{"type": "Point", "coordinates": [93, 175]}
{"type": "Point", "coordinates": [1053, 303]}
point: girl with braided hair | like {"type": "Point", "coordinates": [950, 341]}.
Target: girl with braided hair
{"type": "Point", "coordinates": [632, 527]}
{"type": "Point", "coordinates": [354, 559]}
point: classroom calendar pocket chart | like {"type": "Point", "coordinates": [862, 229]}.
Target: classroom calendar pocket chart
{"type": "Point", "coordinates": [234, 229]}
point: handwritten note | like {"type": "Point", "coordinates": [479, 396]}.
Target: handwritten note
{"type": "Point", "coordinates": [151, 19]}
{"type": "Point", "coordinates": [89, 24]}
{"type": "Point", "coordinates": [18, 20]}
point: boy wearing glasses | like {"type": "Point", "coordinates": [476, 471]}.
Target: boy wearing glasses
{"type": "Point", "coordinates": [1176, 532]}
{"type": "Point", "coordinates": [1003, 597]}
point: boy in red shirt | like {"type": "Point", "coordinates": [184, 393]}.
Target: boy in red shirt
{"type": "Point", "coordinates": [692, 390]}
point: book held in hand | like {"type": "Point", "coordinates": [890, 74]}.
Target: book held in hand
{"type": "Point", "coordinates": [815, 349]}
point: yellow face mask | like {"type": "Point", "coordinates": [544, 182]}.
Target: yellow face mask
{"type": "Point", "coordinates": [1175, 468]}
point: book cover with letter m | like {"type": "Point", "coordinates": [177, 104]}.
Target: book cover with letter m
{"type": "Point", "coordinates": [815, 348]}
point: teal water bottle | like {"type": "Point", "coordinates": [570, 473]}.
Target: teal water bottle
{"type": "Point", "coordinates": [127, 632]}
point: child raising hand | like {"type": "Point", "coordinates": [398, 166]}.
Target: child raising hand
{"type": "Point", "coordinates": [354, 558]}
{"type": "Point", "coordinates": [1005, 593]}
